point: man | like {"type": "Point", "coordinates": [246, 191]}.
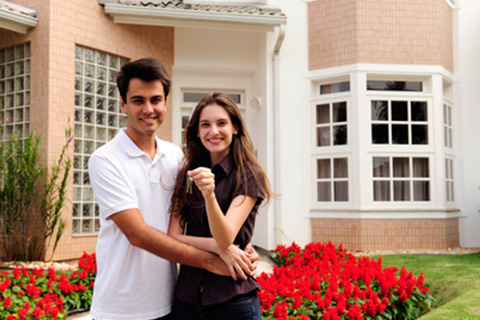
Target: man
{"type": "Point", "coordinates": [132, 176]}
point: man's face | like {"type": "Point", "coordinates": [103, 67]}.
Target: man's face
{"type": "Point", "coordinates": [145, 107]}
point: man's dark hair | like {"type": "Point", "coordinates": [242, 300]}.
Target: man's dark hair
{"type": "Point", "coordinates": [146, 69]}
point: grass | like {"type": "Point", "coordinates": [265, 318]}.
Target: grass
{"type": "Point", "coordinates": [454, 281]}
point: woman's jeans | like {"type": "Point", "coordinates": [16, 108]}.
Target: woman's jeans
{"type": "Point", "coordinates": [241, 307]}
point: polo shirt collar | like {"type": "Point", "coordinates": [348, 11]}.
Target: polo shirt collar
{"type": "Point", "coordinates": [131, 148]}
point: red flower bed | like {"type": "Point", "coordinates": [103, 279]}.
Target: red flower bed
{"type": "Point", "coordinates": [317, 282]}
{"type": "Point", "coordinates": [325, 282]}
{"type": "Point", "coordinates": [36, 294]}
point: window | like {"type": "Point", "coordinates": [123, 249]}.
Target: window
{"type": "Point", "coordinates": [331, 124]}
{"type": "Point", "coordinates": [450, 193]}
{"type": "Point", "coordinates": [14, 91]}
{"type": "Point", "coordinates": [332, 180]}
{"type": "Point", "coordinates": [399, 122]}
{"type": "Point", "coordinates": [401, 179]}
{"type": "Point", "coordinates": [447, 125]}
{"type": "Point", "coordinates": [394, 85]}
{"type": "Point", "coordinates": [97, 119]}
{"type": "Point", "coordinates": [335, 87]}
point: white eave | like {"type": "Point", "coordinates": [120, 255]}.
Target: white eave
{"type": "Point", "coordinates": [16, 18]}
{"type": "Point", "coordinates": [146, 15]}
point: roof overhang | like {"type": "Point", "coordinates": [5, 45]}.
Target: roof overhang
{"type": "Point", "coordinates": [155, 16]}
{"type": "Point", "coordinates": [13, 18]}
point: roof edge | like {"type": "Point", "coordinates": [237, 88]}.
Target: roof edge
{"type": "Point", "coordinates": [18, 8]}
{"type": "Point", "coordinates": [15, 21]}
{"type": "Point", "coordinates": [194, 15]}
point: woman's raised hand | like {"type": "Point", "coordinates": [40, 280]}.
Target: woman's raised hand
{"type": "Point", "coordinates": [204, 179]}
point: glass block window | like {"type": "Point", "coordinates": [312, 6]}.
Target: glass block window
{"type": "Point", "coordinates": [401, 179]}
{"type": "Point", "coordinates": [14, 91]}
{"type": "Point", "coordinates": [332, 179]}
{"type": "Point", "coordinates": [399, 122]}
{"type": "Point", "coordinates": [447, 126]}
{"type": "Point", "coordinates": [97, 119]}
{"type": "Point", "coordinates": [449, 181]}
{"type": "Point", "coordinates": [331, 124]}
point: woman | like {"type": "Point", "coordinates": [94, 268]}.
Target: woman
{"type": "Point", "coordinates": [217, 211]}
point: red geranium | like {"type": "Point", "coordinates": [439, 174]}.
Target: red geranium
{"type": "Point", "coordinates": [42, 295]}
{"type": "Point", "coordinates": [325, 282]}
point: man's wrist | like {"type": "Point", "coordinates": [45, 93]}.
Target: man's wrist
{"type": "Point", "coordinates": [207, 260]}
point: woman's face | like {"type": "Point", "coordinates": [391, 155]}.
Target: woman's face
{"type": "Point", "coordinates": [216, 131]}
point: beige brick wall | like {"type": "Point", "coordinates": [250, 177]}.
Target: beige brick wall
{"type": "Point", "coordinates": [332, 33]}
{"type": "Point", "coordinates": [387, 234]}
{"type": "Point", "coordinates": [62, 25]}
{"type": "Point", "coordinates": [343, 32]}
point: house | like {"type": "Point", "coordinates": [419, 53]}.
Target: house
{"type": "Point", "coordinates": [363, 112]}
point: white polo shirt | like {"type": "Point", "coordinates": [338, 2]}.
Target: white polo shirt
{"type": "Point", "coordinates": [132, 283]}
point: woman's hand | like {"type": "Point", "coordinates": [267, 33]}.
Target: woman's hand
{"type": "Point", "coordinates": [204, 180]}
{"type": "Point", "coordinates": [237, 261]}
{"type": "Point", "coordinates": [253, 256]}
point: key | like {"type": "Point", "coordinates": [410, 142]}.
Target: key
{"type": "Point", "coordinates": [189, 184]}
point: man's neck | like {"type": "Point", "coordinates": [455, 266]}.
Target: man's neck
{"type": "Point", "coordinates": [147, 144]}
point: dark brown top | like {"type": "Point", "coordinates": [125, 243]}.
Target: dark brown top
{"type": "Point", "coordinates": [198, 286]}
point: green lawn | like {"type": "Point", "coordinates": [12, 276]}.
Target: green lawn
{"type": "Point", "coordinates": [454, 281]}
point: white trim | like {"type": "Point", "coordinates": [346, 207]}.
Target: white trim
{"type": "Point", "coordinates": [192, 19]}
{"type": "Point", "coordinates": [387, 214]}
{"type": "Point", "coordinates": [452, 3]}
{"type": "Point", "coordinates": [16, 21]}
{"type": "Point", "coordinates": [419, 71]}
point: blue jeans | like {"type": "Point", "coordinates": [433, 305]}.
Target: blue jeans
{"type": "Point", "coordinates": [241, 307]}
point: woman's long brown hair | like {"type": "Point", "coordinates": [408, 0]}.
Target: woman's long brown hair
{"type": "Point", "coordinates": [197, 155]}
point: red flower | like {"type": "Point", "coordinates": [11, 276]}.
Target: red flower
{"type": "Point", "coordinates": [5, 284]}
{"type": "Point", "coordinates": [280, 310]}
{"type": "Point", "coordinates": [33, 291]}
{"type": "Point", "coordinates": [354, 313]}
{"type": "Point", "coordinates": [7, 302]}
{"type": "Point", "coordinates": [335, 283]}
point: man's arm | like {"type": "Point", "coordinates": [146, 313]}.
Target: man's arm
{"type": "Point", "coordinates": [237, 261]}
{"type": "Point", "coordinates": [143, 236]}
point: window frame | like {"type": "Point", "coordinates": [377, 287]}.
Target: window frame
{"type": "Point", "coordinates": [331, 124]}
{"type": "Point", "coordinates": [331, 151]}
{"type": "Point", "coordinates": [331, 180]}
{"type": "Point", "coordinates": [450, 192]}
{"type": "Point", "coordinates": [409, 122]}
{"type": "Point", "coordinates": [411, 178]}
{"type": "Point", "coordinates": [448, 128]}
